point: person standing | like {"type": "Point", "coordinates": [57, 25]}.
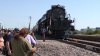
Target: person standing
{"type": "Point", "coordinates": [1, 45]}
{"type": "Point", "coordinates": [66, 35]}
{"type": "Point", "coordinates": [29, 37]}
{"type": "Point", "coordinates": [43, 33]}
{"type": "Point", "coordinates": [20, 46]}
{"type": "Point", "coordinates": [33, 35]}
{"type": "Point", "coordinates": [8, 39]}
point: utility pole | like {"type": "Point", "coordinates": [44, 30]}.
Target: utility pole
{"type": "Point", "coordinates": [30, 23]}
{"type": "Point", "coordinates": [0, 25]}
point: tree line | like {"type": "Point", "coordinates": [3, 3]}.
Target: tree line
{"type": "Point", "coordinates": [90, 31]}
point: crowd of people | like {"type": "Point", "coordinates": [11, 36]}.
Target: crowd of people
{"type": "Point", "coordinates": [17, 42]}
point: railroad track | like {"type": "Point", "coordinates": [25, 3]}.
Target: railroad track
{"type": "Point", "coordinates": [86, 44]}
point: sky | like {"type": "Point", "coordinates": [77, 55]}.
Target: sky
{"type": "Point", "coordinates": [15, 13]}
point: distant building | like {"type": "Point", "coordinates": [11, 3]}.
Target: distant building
{"type": "Point", "coordinates": [98, 28]}
{"type": "Point", "coordinates": [83, 30]}
{"type": "Point", "coordinates": [93, 29]}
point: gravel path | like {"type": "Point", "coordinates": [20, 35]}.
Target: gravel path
{"type": "Point", "coordinates": [56, 48]}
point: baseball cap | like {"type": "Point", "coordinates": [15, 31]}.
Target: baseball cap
{"type": "Point", "coordinates": [16, 30]}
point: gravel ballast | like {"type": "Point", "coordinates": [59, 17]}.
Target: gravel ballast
{"type": "Point", "coordinates": [56, 48]}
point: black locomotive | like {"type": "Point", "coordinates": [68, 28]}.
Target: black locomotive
{"type": "Point", "coordinates": [56, 21]}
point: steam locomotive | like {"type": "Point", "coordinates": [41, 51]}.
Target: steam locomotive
{"type": "Point", "coordinates": [56, 22]}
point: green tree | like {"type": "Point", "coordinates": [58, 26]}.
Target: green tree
{"type": "Point", "coordinates": [89, 31]}
{"type": "Point", "coordinates": [97, 31]}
